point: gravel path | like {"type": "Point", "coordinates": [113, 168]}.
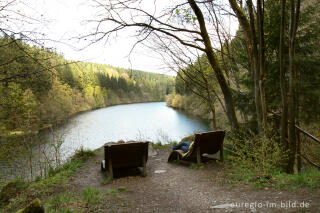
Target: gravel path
{"type": "Point", "coordinates": [171, 187]}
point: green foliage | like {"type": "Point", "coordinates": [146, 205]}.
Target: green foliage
{"type": "Point", "coordinates": [91, 195]}
{"type": "Point", "coordinates": [308, 178]}
{"type": "Point", "coordinates": [194, 105]}
{"type": "Point", "coordinates": [61, 175]}
{"type": "Point", "coordinates": [60, 202]}
{"type": "Point", "coordinates": [47, 92]}
{"type": "Point", "coordinates": [260, 155]}
{"type": "Point", "coordinates": [58, 176]}
{"type": "Point", "coordinates": [157, 145]}
{"type": "Point", "coordinates": [83, 154]}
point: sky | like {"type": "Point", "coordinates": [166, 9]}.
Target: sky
{"type": "Point", "coordinates": [66, 20]}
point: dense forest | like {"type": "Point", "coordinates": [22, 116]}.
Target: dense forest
{"type": "Point", "coordinates": [40, 88]}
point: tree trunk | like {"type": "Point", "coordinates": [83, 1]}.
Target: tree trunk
{"type": "Point", "coordinates": [214, 121]}
{"type": "Point", "coordinates": [299, 160]}
{"type": "Point", "coordinates": [294, 17]}
{"type": "Point", "coordinates": [251, 41]}
{"type": "Point", "coordinates": [216, 67]}
{"type": "Point", "coordinates": [260, 16]}
{"type": "Point", "coordinates": [284, 111]}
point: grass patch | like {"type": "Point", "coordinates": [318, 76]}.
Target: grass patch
{"type": "Point", "coordinates": [91, 196]}
{"type": "Point", "coordinates": [308, 178]}
{"type": "Point", "coordinates": [89, 200]}
{"type": "Point", "coordinates": [59, 176]}
{"type": "Point", "coordinates": [45, 188]}
{"type": "Point", "coordinates": [61, 203]}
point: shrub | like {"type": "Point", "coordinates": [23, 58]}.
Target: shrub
{"type": "Point", "coordinates": [83, 154]}
{"type": "Point", "coordinates": [177, 101]}
{"type": "Point", "coordinates": [261, 155]}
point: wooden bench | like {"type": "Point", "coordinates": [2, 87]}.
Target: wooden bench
{"type": "Point", "coordinates": [204, 143]}
{"type": "Point", "coordinates": [125, 156]}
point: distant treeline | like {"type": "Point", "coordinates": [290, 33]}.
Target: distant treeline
{"type": "Point", "coordinates": [38, 87]}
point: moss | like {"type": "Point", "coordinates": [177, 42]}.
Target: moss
{"type": "Point", "coordinates": [34, 207]}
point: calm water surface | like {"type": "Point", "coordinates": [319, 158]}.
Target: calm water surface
{"type": "Point", "coordinates": [143, 122]}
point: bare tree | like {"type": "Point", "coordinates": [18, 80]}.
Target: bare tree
{"type": "Point", "coordinates": [190, 31]}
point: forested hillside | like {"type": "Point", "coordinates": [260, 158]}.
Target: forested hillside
{"type": "Point", "coordinates": [38, 87]}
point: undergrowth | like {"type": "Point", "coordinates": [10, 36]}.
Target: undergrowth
{"type": "Point", "coordinates": [308, 177]}
{"type": "Point", "coordinates": [17, 197]}
{"type": "Point", "coordinates": [258, 161]}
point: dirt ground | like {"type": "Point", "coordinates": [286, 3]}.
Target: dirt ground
{"type": "Point", "coordinates": [172, 187]}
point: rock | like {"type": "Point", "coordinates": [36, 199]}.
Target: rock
{"type": "Point", "coordinates": [160, 171]}
{"type": "Point", "coordinates": [34, 207]}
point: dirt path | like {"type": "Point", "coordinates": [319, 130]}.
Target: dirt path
{"type": "Point", "coordinates": [183, 189]}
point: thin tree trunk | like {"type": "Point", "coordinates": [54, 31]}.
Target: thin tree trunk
{"type": "Point", "coordinates": [260, 16]}
{"type": "Point", "coordinates": [284, 111]}
{"type": "Point", "coordinates": [214, 120]}
{"type": "Point", "coordinates": [294, 16]}
{"type": "Point", "coordinates": [299, 162]}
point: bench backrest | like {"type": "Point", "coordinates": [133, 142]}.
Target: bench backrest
{"type": "Point", "coordinates": [209, 142]}
{"type": "Point", "coordinates": [127, 154]}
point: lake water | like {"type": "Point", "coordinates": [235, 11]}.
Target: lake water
{"type": "Point", "coordinates": [142, 122]}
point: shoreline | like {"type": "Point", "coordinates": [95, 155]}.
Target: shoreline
{"type": "Point", "coordinates": [48, 126]}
